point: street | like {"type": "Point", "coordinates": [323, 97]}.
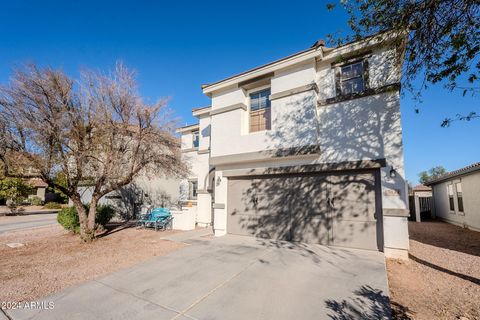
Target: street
{"type": "Point", "coordinates": [27, 221]}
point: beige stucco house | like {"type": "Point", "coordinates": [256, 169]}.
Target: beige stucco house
{"type": "Point", "coordinates": [306, 148]}
{"type": "Point", "coordinates": [456, 197]}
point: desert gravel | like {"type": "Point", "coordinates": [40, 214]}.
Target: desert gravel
{"type": "Point", "coordinates": [441, 280]}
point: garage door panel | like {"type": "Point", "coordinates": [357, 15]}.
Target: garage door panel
{"type": "Point", "coordinates": [353, 196]}
{"type": "Point", "coordinates": [316, 230]}
{"type": "Point", "coordinates": [310, 220]}
{"type": "Point", "coordinates": [254, 209]}
{"type": "Point", "coordinates": [355, 234]}
{"type": "Point", "coordinates": [331, 209]}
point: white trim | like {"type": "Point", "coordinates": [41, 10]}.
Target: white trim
{"type": "Point", "coordinates": [200, 112]}
{"type": "Point", "coordinates": [189, 128]}
{"type": "Point", "coordinates": [228, 108]}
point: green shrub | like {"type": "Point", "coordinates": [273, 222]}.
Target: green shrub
{"type": "Point", "coordinates": [104, 214]}
{"type": "Point", "coordinates": [36, 201]}
{"type": "Point", "coordinates": [52, 205]}
{"type": "Point", "coordinates": [68, 217]}
{"type": "Point", "coordinates": [13, 191]}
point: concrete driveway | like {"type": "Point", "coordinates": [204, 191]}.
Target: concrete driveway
{"type": "Point", "coordinates": [27, 221]}
{"type": "Point", "coordinates": [234, 277]}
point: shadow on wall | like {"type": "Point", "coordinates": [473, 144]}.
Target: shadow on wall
{"type": "Point", "coordinates": [368, 303]}
{"type": "Point", "coordinates": [363, 128]}
{"type": "Point", "coordinates": [341, 208]}
{"type": "Point", "coordinates": [128, 200]}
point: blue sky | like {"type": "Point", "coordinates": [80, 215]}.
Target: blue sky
{"type": "Point", "coordinates": [178, 45]}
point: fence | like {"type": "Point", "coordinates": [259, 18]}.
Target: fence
{"type": "Point", "coordinates": [420, 205]}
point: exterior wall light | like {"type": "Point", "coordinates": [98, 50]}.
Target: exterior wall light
{"type": "Point", "coordinates": [393, 173]}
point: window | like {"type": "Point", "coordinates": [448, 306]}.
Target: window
{"type": "Point", "coordinates": [193, 188]}
{"type": "Point", "coordinates": [458, 189]}
{"type": "Point", "coordinates": [352, 78]}
{"type": "Point", "coordinates": [195, 139]}
{"type": "Point", "coordinates": [450, 197]}
{"type": "Point", "coordinates": [260, 114]}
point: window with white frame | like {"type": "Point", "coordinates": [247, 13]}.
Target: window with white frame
{"type": "Point", "coordinates": [260, 111]}
{"type": "Point", "coordinates": [458, 189]}
{"type": "Point", "coordinates": [352, 78]}
{"type": "Point", "coordinates": [451, 200]}
{"type": "Point", "coordinates": [196, 139]}
{"type": "Point", "coordinates": [192, 189]}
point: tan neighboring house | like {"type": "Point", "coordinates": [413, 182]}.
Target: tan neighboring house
{"type": "Point", "coordinates": [456, 197]}
{"type": "Point", "coordinates": [39, 188]}
{"type": "Point", "coordinates": [307, 148]}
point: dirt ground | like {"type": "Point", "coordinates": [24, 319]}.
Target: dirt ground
{"type": "Point", "coordinates": [53, 259]}
{"type": "Point", "coordinates": [441, 280]}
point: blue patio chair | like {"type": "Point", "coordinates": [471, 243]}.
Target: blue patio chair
{"type": "Point", "coordinates": [158, 218]}
{"type": "Point", "coordinates": [148, 219]}
{"type": "Point", "coordinates": [163, 223]}
{"type": "Point", "coordinates": [143, 219]}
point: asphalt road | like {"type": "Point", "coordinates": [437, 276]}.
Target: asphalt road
{"type": "Point", "coordinates": [14, 223]}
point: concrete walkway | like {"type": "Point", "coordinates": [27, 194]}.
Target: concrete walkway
{"type": "Point", "coordinates": [27, 221]}
{"type": "Point", "coordinates": [233, 277]}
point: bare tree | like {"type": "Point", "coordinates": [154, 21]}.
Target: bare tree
{"type": "Point", "coordinates": [96, 130]}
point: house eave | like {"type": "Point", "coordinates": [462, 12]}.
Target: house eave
{"type": "Point", "coordinates": [454, 174]}
{"type": "Point", "coordinates": [299, 57]}
{"type": "Point", "coordinates": [189, 128]}
{"type": "Point", "coordinates": [201, 111]}
{"type": "Point", "coordinates": [318, 53]}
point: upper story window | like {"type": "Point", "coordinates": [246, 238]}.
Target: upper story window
{"type": "Point", "coordinates": [195, 139]}
{"type": "Point", "coordinates": [352, 78]}
{"type": "Point", "coordinates": [260, 111]}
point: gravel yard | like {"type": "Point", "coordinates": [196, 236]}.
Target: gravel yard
{"type": "Point", "coordinates": [53, 259]}
{"type": "Point", "coordinates": [442, 278]}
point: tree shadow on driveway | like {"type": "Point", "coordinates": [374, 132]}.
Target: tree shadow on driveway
{"type": "Point", "coordinates": [367, 303]}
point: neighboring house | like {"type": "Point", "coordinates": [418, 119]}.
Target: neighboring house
{"type": "Point", "coordinates": [422, 190]}
{"type": "Point", "coordinates": [456, 197]}
{"type": "Point", "coordinates": [128, 200]}
{"type": "Point", "coordinates": [198, 188]}
{"type": "Point", "coordinates": [306, 148]}
{"type": "Point", "coordinates": [39, 188]}
{"type": "Point", "coordinates": [420, 201]}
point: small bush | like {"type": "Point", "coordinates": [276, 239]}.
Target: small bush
{"type": "Point", "coordinates": [52, 205]}
{"type": "Point", "coordinates": [35, 201]}
{"type": "Point", "coordinates": [104, 214]}
{"type": "Point", "coordinates": [68, 217]}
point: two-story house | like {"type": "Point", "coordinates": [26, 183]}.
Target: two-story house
{"type": "Point", "coordinates": [307, 148]}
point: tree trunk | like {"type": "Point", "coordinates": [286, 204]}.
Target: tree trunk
{"type": "Point", "coordinates": [89, 230]}
{"type": "Point", "coordinates": [83, 218]}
